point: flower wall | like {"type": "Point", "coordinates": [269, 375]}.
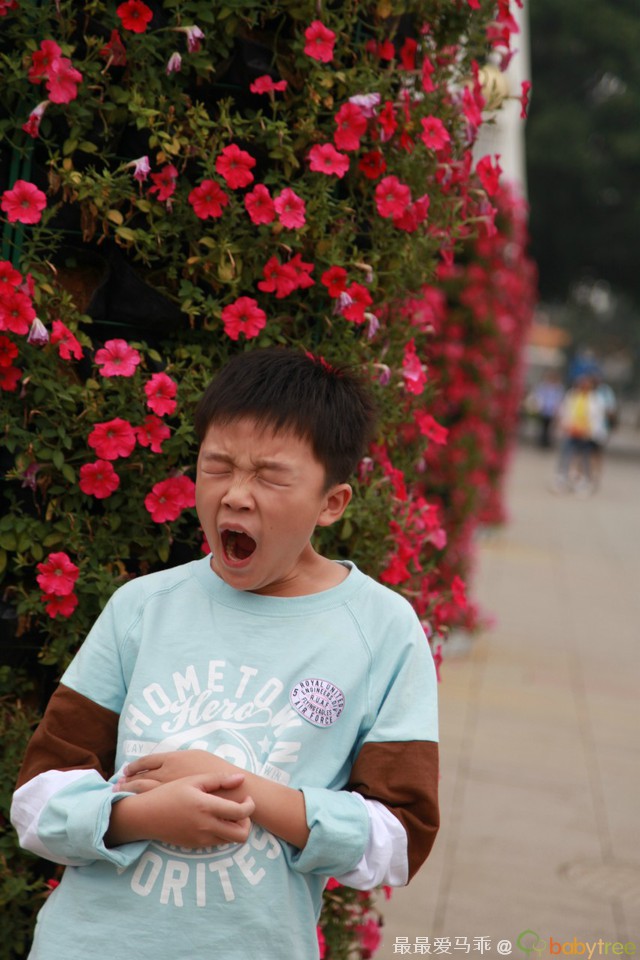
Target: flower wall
{"type": "Point", "coordinates": [184, 180]}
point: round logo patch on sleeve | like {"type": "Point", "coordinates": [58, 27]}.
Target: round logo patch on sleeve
{"type": "Point", "coordinates": [318, 701]}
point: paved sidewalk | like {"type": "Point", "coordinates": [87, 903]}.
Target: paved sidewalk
{"type": "Point", "coordinates": [540, 786]}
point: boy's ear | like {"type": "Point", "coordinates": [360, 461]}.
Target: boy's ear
{"type": "Point", "coordinates": [336, 502]}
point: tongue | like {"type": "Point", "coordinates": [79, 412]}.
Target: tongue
{"type": "Point", "coordinates": [244, 545]}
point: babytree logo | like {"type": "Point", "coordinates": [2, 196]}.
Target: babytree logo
{"type": "Point", "coordinates": [599, 948]}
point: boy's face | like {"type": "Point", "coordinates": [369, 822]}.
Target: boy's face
{"type": "Point", "coordinates": [259, 497]}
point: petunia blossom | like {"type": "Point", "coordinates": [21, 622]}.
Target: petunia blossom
{"type": "Point", "coordinates": [369, 936]}
{"type": "Point", "coordinates": [208, 199]}
{"type": "Point", "coordinates": [367, 102]}
{"type": "Point", "coordinates": [112, 439]}
{"type": "Point", "coordinates": [38, 334]}
{"type": "Point", "coordinates": [279, 278]}
{"type": "Point", "coordinates": [141, 168]}
{"type": "Point", "coordinates": [117, 359]}
{"type": "Point", "coordinates": [335, 280]}
{"type": "Point", "coordinates": [412, 370]}
{"type": "Point", "coordinates": [57, 574]}
{"type": "Point", "coordinates": [152, 433]}
{"type": "Point", "coordinates": [194, 36]}
{"type": "Point", "coordinates": [259, 205]}
{"type": "Point", "coordinates": [356, 300]}
{"type": "Point", "coordinates": [135, 15]}
{"type": "Point", "coordinates": [320, 41]}
{"type": "Point", "coordinates": [8, 351]}
{"type": "Point", "coordinates": [174, 63]}
{"type": "Point", "coordinates": [63, 81]}
{"type": "Point", "coordinates": [290, 208]}
{"type": "Point", "coordinates": [10, 377]}
{"type": "Point", "coordinates": [62, 606]}
{"type": "Point", "coordinates": [10, 278]}
{"type": "Point", "coordinates": [68, 345]}
{"type": "Point", "coordinates": [42, 59]}
{"type": "Point", "coordinates": [160, 391]}
{"type": "Point", "coordinates": [114, 52]}
{"type": "Point", "coordinates": [98, 479]}
{"type": "Point", "coordinates": [16, 312]}
{"type": "Point", "coordinates": [168, 498]}
{"type": "Point", "coordinates": [372, 164]}
{"type": "Point", "coordinates": [234, 165]}
{"type": "Point", "coordinates": [23, 203]}
{"type": "Point", "coordinates": [434, 133]}
{"type": "Point", "coordinates": [351, 125]}
{"type": "Point", "coordinates": [392, 197]}
{"type": "Point", "coordinates": [429, 427]}
{"type": "Point", "coordinates": [489, 174]}
{"type": "Point", "coordinates": [266, 84]}
{"type": "Point", "coordinates": [324, 158]}
{"type": "Point", "coordinates": [32, 123]}
{"type": "Point", "coordinates": [302, 272]}
{"type": "Point", "coordinates": [243, 316]}
{"type": "Point", "coordinates": [164, 182]}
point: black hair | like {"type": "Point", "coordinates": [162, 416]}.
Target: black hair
{"type": "Point", "coordinates": [287, 389]}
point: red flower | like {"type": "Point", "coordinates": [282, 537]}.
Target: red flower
{"type": "Point", "coordinates": [459, 593]}
{"type": "Point", "coordinates": [434, 133]}
{"type": "Point", "coordinates": [62, 82]}
{"type": "Point", "coordinates": [117, 359]}
{"type": "Point", "coordinates": [243, 316]}
{"type": "Point", "coordinates": [168, 498]}
{"type": "Point", "coordinates": [489, 174]}
{"type": "Point", "coordinates": [290, 209]}
{"type": "Point", "coordinates": [164, 182]}
{"type": "Point", "coordinates": [114, 51]}
{"type": "Point", "coordinates": [415, 214]}
{"type": "Point", "coordinates": [153, 433]}
{"type": "Point", "coordinates": [234, 166]}
{"type": "Point", "coordinates": [392, 197]}
{"type": "Point", "coordinates": [430, 428]}
{"type": "Point", "coordinates": [32, 124]}
{"type": "Point", "coordinates": [42, 59]}
{"type": "Point", "coordinates": [412, 371]}
{"type": "Point", "coordinates": [113, 439]}
{"type": "Point", "coordinates": [8, 351]}
{"type": "Point", "coordinates": [279, 278]}
{"type": "Point", "coordinates": [265, 84]}
{"type": "Point", "coordinates": [98, 479]}
{"type": "Point", "coordinates": [335, 279]}
{"type": "Point", "coordinates": [301, 272]}
{"type": "Point", "coordinates": [9, 278]}
{"type": "Point", "coordinates": [260, 205]}
{"type": "Point", "coordinates": [208, 199]}
{"type": "Point", "coordinates": [9, 378]}
{"type": "Point", "coordinates": [57, 575]}
{"type": "Point", "coordinates": [322, 943]}
{"type": "Point", "coordinates": [24, 203]}
{"type": "Point", "coordinates": [352, 124]}
{"type": "Point", "coordinates": [358, 299]}
{"type": "Point", "coordinates": [427, 69]}
{"type": "Point", "coordinates": [68, 345]}
{"type": "Point", "coordinates": [369, 936]}
{"type": "Point", "coordinates": [326, 159]}
{"type": "Point", "coordinates": [387, 121]}
{"type": "Point", "coordinates": [408, 54]}
{"type": "Point", "coordinates": [160, 391]}
{"type": "Point", "coordinates": [16, 312]}
{"type": "Point", "coordinates": [65, 607]}
{"type": "Point", "coordinates": [372, 164]}
{"type": "Point", "coordinates": [524, 98]}
{"type": "Point", "coordinates": [135, 15]}
{"type": "Point", "coordinates": [320, 42]}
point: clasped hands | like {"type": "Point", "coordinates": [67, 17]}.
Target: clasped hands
{"type": "Point", "coordinates": [188, 798]}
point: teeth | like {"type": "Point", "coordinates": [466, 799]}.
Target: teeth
{"type": "Point", "coordinates": [237, 544]}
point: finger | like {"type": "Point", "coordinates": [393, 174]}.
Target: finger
{"type": "Point", "coordinates": [233, 832]}
{"type": "Point", "coordinates": [137, 786]}
{"type": "Point", "coordinates": [151, 762]}
{"type": "Point", "coordinates": [231, 781]}
{"type": "Point", "coordinates": [231, 810]}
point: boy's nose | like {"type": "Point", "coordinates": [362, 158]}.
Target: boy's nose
{"type": "Point", "coordinates": [238, 494]}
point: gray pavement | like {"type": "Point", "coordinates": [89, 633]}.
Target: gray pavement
{"type": "Point", "coordinates": [540, 784]}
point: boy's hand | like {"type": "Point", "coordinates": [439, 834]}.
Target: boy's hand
{"type": "Point", "coordinates": [192, 812]}
{"type": "Point", "coordinates": [156, 768]}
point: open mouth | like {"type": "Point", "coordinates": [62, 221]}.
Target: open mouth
{"type": "Point", "coordinates": [237, 545]}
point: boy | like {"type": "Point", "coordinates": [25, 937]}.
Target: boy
{"type": "Point", "coordinates": [271, 713]}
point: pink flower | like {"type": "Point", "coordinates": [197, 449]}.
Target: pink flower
{"type": "Point", "coordinates": [234, 166]}
{"type": "Point", "coordinates": [489, 174]}
{"type": "Point", "coordinates": [302, 272]}
{"type": "Point", "coordinates": [351, 127]}
{"type": "Point", "coordinates": [161, 391]}
{"type": "Point", "coordinates": [32, 124]}
{"type": "Point", "coordinates": [135, 15]}
{"type": "Point", "coordinates": [164, 182]}
{"type": "Point", "coordinates": [279, 278]}
{"type": "Point", "coordinates": [141, 168]}
{"type": "Point", "coordinates": [320, 42]}
{"type": "Point", "coordinates": [265, 84]}
{"type": "Point", "coordinates": [9, 278]}
{"type": "Point", "coordinates": [369, 936]}
{"type": "Point", "coordinates": [260, 205]}
{"type": "Point", "coordinates": [392, 197]}
{"type": "Point", "coordinates": [16, 312]}
{"type": "Point", "coordinates": [153, 433]}
{"type": "Point", "coordinates": [98, 479]}
{"type": "Point", "coordinates": [67, 343]}
{"type": "Point", "coordinates": [335, 279]}
{"type": "Point", "coordinates": [326, 159]}
{"type": "Point", "coordinates": [367, 102]}
{"type": "Point", "coordinates": [414, 376]}
{"type": "Point", "coordinates": [24, 203]}
{"type": "Point", "coordinates": [430, 428]}
{"type": "Point", "coordinates": [290, 209]}
{"type": "Point", "coordinates": [434, 133]}
{"type": "Point", "coordinates": [117, 359]}
{"type": "Point", "coordinates": [525, 88]}
{"type": "Point", "coordinates": [243, 316]}
{"type": "Point", "coordinates": [174, 63]}
{"type": "Point", "coordinates": [64, 606]}
{"type": "Point", "coordinates": [9, 378]}
{"type": "Point", "coordinates": [208, 199]}
{"type": "Point", "coordinates": [168, 498]}
{"type": "Point", "coordinates": [57, 575]}
{"type": "Point", "coordinates": [387, 121]}
{"type": "Point", "coordinates": [113, 439]}
{"type": "Point", "coordinates": [358, 299]}
{"type": "Point", "coordinates": [38, 333]}
{"type": "Point", "coordinates": [62, 82]}
{"type": "Point", "coordinates": [459, 592]}
{"type": "Point", "coordinates": [194, 35]}
{"type": "Point", "coordinates": [42, 59]}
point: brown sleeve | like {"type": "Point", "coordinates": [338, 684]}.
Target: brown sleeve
{"type": "Point", "coordinates": [404, 777]}
{"type": "Point", "coordinates": [75, 733]}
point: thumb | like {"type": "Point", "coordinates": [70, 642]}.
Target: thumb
{"type": "Point", "coordinates": [212, 782]}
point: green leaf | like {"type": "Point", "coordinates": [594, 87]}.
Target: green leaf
{"type": "Point", "coordinates": [58, 459]}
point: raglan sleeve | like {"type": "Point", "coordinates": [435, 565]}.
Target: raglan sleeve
{"type": "Point", "coordinates": [381, 827]}
{"type": "Point", "coordinates": [62, 803]}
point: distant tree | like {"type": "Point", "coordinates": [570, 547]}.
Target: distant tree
{"type": "Point", "coordinates": [583, 144]}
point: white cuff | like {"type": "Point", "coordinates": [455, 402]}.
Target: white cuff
{"type": "Point", "coordinates": [385, 860]}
